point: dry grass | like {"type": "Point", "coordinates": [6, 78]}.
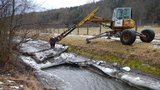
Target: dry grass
{"type": "Point", "coordinates": [23, 81]}
{"type": "Point", "coordinates": [139, 56]}
{"type": "Point", "coordinates": [95, 30]}
{"type": "Point", "coordinates": [141, 51]}
{"type": "Point", "coordinates": [18, 74]}
{"type": "Point", "coordinates": [82, 31]}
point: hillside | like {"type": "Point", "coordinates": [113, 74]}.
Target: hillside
{"type": "Point", "coordinates": [144, 12]}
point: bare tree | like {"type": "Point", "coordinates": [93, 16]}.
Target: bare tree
{"type": "Point", "coordinates": [11, 18]}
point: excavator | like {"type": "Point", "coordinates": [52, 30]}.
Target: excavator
{"type": "Point", "coordinates": [120, 25]}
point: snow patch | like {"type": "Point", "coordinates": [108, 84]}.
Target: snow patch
{"type": "Point", "coordinates": [140, 81]}
{"type": "Point", "coordinates": [108, 71]}
{"type": "Point", "coordinates": [41, 50]}
{"type": "Point", "coordinates": [48, 64]}
{"type": "Point", "coordinates": [30, 61]}
{"type": "Point", "coordinates": [1, 83]}
{"type": "Point", "coordinates": [34, 46]}
{"type": "Point", "coordinates": [134, 80]}
{"type": "Point", "coordinates": [21, 86]}
{"type": "Point", "coordinates": [126, 69]}
{"type": "Point", "coordinates": [67, 56]}
{"type": "Point", "coordinates": [10, 81]}
{"type": "Point", "coordinates": [15, 87]}
{"type": "Point", "coordinates": [41, 56]}
{"type": "Point", "coordinates": [99, 62]}
{"type": "Point", "coordinates": [72, 58]}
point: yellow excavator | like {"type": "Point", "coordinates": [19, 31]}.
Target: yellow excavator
{"type": "Point", "coordinates": [120, 25]}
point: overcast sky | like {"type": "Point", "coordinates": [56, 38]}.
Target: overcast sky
{"type": "Point", "coordinates": [53, 4]}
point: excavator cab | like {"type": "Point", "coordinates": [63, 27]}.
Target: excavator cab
{"type": "Point", "coordinates": [122, 13]}
{"type": "Point", "coordinates": [122, 19]}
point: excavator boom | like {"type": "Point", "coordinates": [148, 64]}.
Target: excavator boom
{"type": "Point", "coordinates": [65, 33]}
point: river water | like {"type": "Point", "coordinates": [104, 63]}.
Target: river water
{"type": "Point", "coordinates": [84, 79]}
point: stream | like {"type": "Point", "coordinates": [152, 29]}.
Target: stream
{"type": "Point", "coordinates": [83, 79]}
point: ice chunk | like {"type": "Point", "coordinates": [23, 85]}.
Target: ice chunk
{"type": "Point", "coordinates": [10, 81]}
{"type": "Point", "coordinates": [100, 62]}
{"type": "Point", "coordinates": [30, 61]}
{"type": "Point", "coordinates": [21, 86]}
{"type": "Point", "coordinates": [34, 46]}
{"type": "Point", "coordinates": [106, 70]}
{"type": "Point", "coordinates": [135, 80]}
{"type": "Point", "coordinates": [15, 87]}
{"type": "Point", "coordinates": [41, 56]}
{"type": "Point", "coordinates": [126, 69]}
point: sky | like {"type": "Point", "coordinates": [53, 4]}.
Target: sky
{"type": "Point", "coordinates": [55, 4]}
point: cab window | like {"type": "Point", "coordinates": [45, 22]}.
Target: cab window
{"type": "Point", "coordinates": [119, 14]}
{"type": "Point", "coordinates": [126, 13]}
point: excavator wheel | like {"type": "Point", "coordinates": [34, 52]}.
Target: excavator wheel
{"type": "Point", "coordinates": [149, 35]}
{"type": "Point", "coordinates": [128, 37]}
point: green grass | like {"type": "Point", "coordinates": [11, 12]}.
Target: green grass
{"type": "Point", "coordinates": [133, 63]}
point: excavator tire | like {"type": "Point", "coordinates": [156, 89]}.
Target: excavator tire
{"type": "Point", "coordinates": [128, 37]}
{"type": "Point", "coordinates": [149, 35]}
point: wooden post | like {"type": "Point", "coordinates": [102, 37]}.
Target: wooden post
{"type": "Point", "coordinates": [53, 30]}
{"type": "Point", "coordinates": [58, 30]}
{"type": "Point", "coordinates": [63, 29]}
{"type": "Point", "coordinates": [46, 30]}
{"type": "Point", "coordinates": [136, 27]}
{"type": "Point", "coordinates": [87, 29]}
{"type": "Point", "coordinates": [100, 29]}
{"type": "Point", "coordinates": [78, 31]}
{"type": "Point", "coordinates": [50, 30]}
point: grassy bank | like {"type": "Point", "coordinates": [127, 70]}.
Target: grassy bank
{"type": "Point", "coordinates": [139, 56]}
{"type": "Point", "coordinates": [131, 62]}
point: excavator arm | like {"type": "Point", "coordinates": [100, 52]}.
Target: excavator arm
{"type": "Point", "coordinates": [89, 17]}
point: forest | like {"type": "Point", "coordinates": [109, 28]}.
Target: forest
{"type": "Point", "coordinates": [145, 12]}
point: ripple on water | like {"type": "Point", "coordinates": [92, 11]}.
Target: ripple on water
{"type": "Point", "coordinates": [82, 79]}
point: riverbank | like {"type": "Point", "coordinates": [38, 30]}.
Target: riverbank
{"type": "Point", "coordinates": [140, 56]}
{"type": "Point", "coordinates": [18, 79]}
